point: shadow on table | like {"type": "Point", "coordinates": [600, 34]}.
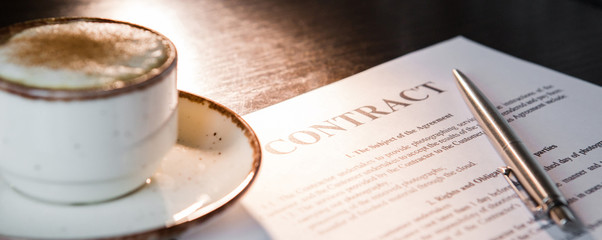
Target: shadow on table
{"type": "Point", "coordinates": [234, 223]}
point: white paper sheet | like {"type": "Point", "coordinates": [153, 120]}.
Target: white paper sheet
{"type": "Point", "coordinates": [394, 153]}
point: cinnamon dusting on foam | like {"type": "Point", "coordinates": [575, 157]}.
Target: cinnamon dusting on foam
{"type": "Point", "coordinates": [80, 55]}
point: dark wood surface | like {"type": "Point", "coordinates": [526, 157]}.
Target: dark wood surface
{"type": "Point", "coordinates": [249, 54]}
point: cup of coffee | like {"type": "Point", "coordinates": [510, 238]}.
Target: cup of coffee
{"type": "Point", "coordinates": [88, 107]}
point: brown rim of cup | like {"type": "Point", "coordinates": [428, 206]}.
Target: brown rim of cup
{"type": "Point", "coordinates": [153, 76]}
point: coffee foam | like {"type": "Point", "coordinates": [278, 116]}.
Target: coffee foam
{"type": "Point", "coordinates": [80, 55]}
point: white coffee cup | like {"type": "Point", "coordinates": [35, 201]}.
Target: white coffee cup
{"type": "Point", "coordinates": [70, 141]}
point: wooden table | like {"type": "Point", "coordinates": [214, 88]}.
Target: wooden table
{"type": "Point", "coordinates": [249, 54]}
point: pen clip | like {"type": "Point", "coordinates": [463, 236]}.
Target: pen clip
{"type": "Point", "coordinates": [538, 210]}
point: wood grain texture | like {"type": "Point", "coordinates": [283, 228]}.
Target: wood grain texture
{"type": "Point", "coordinates": [249, 54]}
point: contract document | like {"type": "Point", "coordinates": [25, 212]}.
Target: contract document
{"type": "Point", "coordinates": [394, 153]}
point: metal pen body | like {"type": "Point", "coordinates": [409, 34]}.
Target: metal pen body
{"type": "Point", "coordinates": [531, 175]}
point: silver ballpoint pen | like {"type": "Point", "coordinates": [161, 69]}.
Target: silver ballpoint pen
{"type": "Point", "coordinates": [523, 172]}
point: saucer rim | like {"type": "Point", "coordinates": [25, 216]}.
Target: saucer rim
{"type": "Point", "coordinates": [220, 205]}
{"type": "Point", "coordinates": [206, 212]}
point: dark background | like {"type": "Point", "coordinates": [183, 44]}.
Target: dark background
{"type": "Point", "coordinates": [249, 54]}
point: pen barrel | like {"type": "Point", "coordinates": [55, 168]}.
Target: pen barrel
{"type": "Point", "coordinates": [531, 176]}
{"type": "Point", "coordinates": [527, 170]}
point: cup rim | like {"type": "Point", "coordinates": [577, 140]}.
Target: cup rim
{"type": "Point", "coordinates": [153, 76]}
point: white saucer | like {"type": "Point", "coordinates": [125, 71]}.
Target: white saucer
{"type": "Point", "coordinates": [216, 159]}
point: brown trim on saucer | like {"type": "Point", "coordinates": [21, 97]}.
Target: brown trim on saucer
{"type": "Point", "coordinates": [217, 207]}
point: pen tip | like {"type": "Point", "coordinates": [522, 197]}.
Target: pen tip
{"type": "Point", "coordinates": [563, 217]}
